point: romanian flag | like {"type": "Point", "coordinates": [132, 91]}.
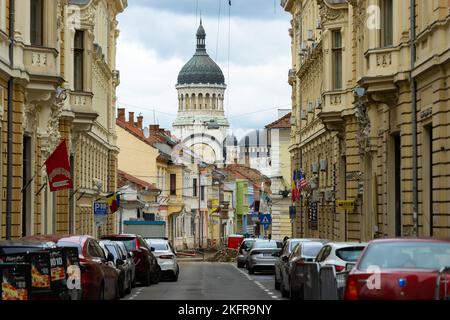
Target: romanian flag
{"type": "Point", "coordinates": [294, 191]}
{"type": "Point", "coordinates": [113, 202]}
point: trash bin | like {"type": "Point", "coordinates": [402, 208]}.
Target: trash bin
{"type": "Point", "coordinates": [234, 241]}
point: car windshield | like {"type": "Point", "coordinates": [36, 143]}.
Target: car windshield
{"type": "Point", "coordinates": [311, 249]}
{"type": "Point", "coordinates": [407, 255]}
{"type": "Point", "coordinates": [112, 250]}
{"type": "Point", "coordinates": [247, 244]}
{"type": "Point", "coordinates": [130, 243]}
{"type": "Point", "coordinates": [350, 254]}
{"type": "Point", "coordinates": [267, 244]}
{"type": "Point", "coordinates": [159, 246]}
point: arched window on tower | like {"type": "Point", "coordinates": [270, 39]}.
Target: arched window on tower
{"type": "Point", "coordinates": [207, 101]}
{"type": "Point", "coordinates": [214, 101]}
{"type": "Point", "coordinates": [193, 102]}
{"type": "Point", "coordinates": [187, 102]}
{"type": "Point", "coordinates": [200, 101]}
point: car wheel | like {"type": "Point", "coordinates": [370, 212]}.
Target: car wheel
{"type": "Point", "coordinates": [121, 288]}
{"type": "Point", "coordinates": [148, 279]}
{"type": "Point", "coordinates": [175, 276]}
{"type": "Point", "coordinates": [284, 292]}
{"type": "Point", "coordinates": [130, 286]}
{"type": "Point", "coordinates": [240, 265]}
{"type": "Point", "coordinates": [277, 282]}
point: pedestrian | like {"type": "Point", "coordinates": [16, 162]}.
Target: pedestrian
{"type": "Point", "coordinates": [285, 239]}
{"type": "Point", "coordinates": [269, 237]}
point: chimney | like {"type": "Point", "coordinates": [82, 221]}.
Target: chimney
{"type": "Point", "coordinates": [131, 118]}
{"type": "Point", "coordinates": [154, 128]}
{"type": "Point", "coordinates": [140, 119]}
{"type": "Point", "coordinates": [121, 114]}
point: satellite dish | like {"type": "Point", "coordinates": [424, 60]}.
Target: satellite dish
{"type": "Point", "coordinates": [146, 132]}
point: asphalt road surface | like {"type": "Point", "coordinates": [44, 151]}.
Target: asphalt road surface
{"type": "Point", "coordinates": [211, 281]}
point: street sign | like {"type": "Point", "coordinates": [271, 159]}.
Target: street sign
{"type": "Point", "coordinates": [345, 204]}
{"type": "Point", "coordinates": [266, 219]}
{"type": "Point", "coordinates": [254, 216]}
{"type": "Point", "coordinates": [100, 208]}
{"type": "Point", "coordinates": [100, 213]}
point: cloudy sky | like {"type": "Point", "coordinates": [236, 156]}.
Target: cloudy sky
{"type": "Point", "coordinates": [158, 37]}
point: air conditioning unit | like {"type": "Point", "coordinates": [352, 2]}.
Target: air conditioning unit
{"type": "Point", "coordinates": [319, 25]}
{"type": "Point", "coordinates": [311, 35]}
{"type": "Point", "coordinates": [323, 165]}
{"type": "Point", "coordinates": [303, 115]}
{"type": "Point", "coordinates": [314, 168]}
{"type": "Point", "coordinates": [310, 107]}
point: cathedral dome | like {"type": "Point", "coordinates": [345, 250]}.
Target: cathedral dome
{"type": "Point", "coordinates": [201, 69]}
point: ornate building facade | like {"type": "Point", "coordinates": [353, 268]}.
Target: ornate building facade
{"type": "Point", "coordinates": [47, 94]}
{"type": "Point", "coordinates": [382, 80]}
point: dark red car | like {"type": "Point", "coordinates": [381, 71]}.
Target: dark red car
{"type": "Point", "coordinates": [99, 281]}
{"type": "Point", "coordinates": [400, 269]}
{"type": "Point", "coordinates": [147, 269]}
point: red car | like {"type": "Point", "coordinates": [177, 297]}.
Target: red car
{"type": "Point", "coordinates": [99, 281]}
{"type": "Point", "coordinates": [400, 269]}
{"type": "Point", "coordinates": [147, 269]}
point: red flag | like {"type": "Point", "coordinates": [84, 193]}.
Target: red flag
{"type": "Point", "coordinates": [58, 169]}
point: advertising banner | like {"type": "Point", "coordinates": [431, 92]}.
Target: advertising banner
{"type": "Point", "coordinates": [15, 281]}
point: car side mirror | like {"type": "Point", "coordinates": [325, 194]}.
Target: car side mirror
{"type": "Point", "coordinates": [152, 249]}
{"type": "Point", "coordinates": [110, 257]}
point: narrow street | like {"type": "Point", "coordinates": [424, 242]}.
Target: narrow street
{"type": "Point", "coordinates": [210, 281]}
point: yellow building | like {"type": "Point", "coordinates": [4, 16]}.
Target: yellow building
{"type": "Point", "coordinates": [384, 138]}
{"type": "Point", "coordinates": [48, 87]}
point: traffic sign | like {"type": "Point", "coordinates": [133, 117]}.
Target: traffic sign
{"type": "Point", "coordinates": [100, 208]}
{"type": "Point", "coordinates": [266, 219]}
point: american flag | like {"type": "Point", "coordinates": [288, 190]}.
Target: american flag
{"type": "Point", "coordinates": [301, 181]}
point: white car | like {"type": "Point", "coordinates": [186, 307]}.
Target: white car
{"type": "Point", "coordinates": [338, 254]}
{"type": "Point", "coordinates": [166, 256]}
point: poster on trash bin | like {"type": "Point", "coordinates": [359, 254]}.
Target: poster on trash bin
{"type": "Point", "coordinates": [40, 270]}
{"type": "Point", "coordinates": [15, 281]}
{"type": "Point", "coordinates": [57, 268]}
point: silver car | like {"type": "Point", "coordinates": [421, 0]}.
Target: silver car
{"type": "Point", "coordinates": [263, 255]}
{"type": "Point", "coordinates": [244, 248]}
{"type": "Point", "coordinates": [166, 256]}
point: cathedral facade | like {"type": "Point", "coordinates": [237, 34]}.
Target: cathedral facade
{"type": "Point", "coordinates": [201, 123]}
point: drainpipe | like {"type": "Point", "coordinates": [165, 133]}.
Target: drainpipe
{"type": "Point", "coordinates": [9, 179]}
{"type": "Point", "coordinates": [414, 117]}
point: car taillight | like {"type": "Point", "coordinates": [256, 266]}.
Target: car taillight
{"type": "Point", "coordinates": [339, 268]}
{"type": "Point", "coordinates": [169, 256]}
{"type": "Point", "coordinates": [351, 289]}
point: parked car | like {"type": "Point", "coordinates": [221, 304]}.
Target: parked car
{"type": "Point", "coordinates": [399, 269]}
{"type": "Point", "coordinates": [244, 248]}
{"type": "Point", "coordinates": [283, 258]}
{"type": "Point", "coordinates": [261, 255]}
{"type": "Point", "coordinates": [291, 276]}
{"type": "Point", "coordinates": [147, 269]}
{"type": "Point", "coordinates": [43, 286]}
{"type": "Point", "coordinates": [128, 256]}
{"type": "Point", "coordinates": [166, 256]}
{"type": "Point", "coordinates": [339, 254]}
{"type": "Point", "coordinates": [121, 265]}
{"type": "Point", "coordinates": [99, 281]}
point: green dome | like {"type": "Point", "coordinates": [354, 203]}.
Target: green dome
{"type": "Point", "coordinates": [201, 69]}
